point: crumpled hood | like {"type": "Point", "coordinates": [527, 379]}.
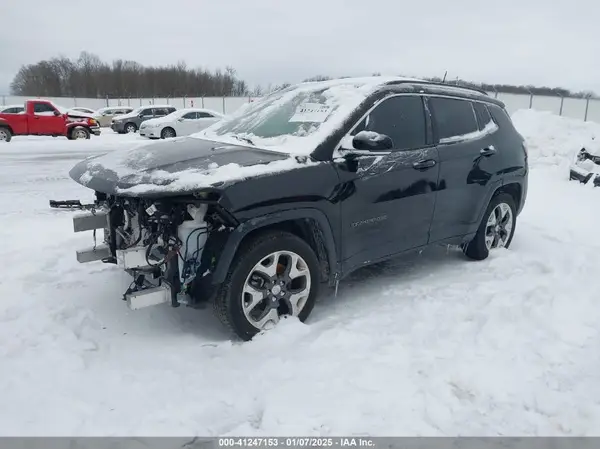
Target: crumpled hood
{"type": "Point", "coordinates": [161, 166]}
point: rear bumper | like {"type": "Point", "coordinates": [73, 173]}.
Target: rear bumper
{"type": "Point", "coordinates": [95, 130]}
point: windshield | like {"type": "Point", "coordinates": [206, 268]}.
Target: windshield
{"type": "Point", "coordinates": [296, 119]}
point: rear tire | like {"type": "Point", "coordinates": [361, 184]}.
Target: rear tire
{"type": "Point", "coordinates": [495, 231]}
{"type": "Point", "coordinates": [250, 297]}
{"type": "Point", "coordinates": [5, 135]}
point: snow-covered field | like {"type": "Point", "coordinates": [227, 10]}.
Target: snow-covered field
{"type": "Point", "coordinates": [431, 344]}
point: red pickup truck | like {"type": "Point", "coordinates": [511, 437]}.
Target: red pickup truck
{"type": "Point", "coordinates": [43, 118]}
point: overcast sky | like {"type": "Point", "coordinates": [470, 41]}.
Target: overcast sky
{"type": "Point", "coordinates": [273, 41]}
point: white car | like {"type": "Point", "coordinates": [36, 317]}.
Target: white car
{"type": "Point", "coordinates": [12, 109]}
{"type": "Point", "coordinates": [182, 122]}
{"type": "Point", "coordinates": [585, 167]}
{"type": "Point", "coordinates": [84, 110]}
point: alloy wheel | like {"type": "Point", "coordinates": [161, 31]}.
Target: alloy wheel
{"type": "Point", "coordinates": [278, 285]}
{"type": "Point", "coordinates": [499, 227]}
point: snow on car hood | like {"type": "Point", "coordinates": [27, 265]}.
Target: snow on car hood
{"type": "Point", "coordinates": [296, 120]}
{"type": "Point", "coordinates": [177, 166]}
{"type": "Point", "coordinates": [132, 114]}
{"type": "Point", "coordinates": [158, 120]}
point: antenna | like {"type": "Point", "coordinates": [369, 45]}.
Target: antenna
{"type": "Point", "coordinates": [444, 80]}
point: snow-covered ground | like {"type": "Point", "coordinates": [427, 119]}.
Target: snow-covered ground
{"type": "Point", "coordinates": [431, 344]}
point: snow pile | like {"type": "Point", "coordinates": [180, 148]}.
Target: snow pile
{"type": "Point", "coordinates": [552, 139]}
{"type": "Point", "coordinates": [430, 344]}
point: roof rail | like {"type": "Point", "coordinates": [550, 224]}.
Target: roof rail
{"type": "Point", "coordinates": [436, 83]}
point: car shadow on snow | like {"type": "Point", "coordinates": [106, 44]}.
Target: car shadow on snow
{"type": "Point", "coordinates": [401, 272]}
{"type": "Point", "coordinates": [362, 286]}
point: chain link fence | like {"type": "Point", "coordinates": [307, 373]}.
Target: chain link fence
{"type": "Point", "coordinates": [587, 109]}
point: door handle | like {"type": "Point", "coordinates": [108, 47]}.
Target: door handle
{"type": "Point", "coordinates": [424, 165]}
{"type": "Point", "coordinates": [488, 151]}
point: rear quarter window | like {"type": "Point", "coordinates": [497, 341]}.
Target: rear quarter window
{"type": "Point", "coordinates": [501, 117]}
{"type": "Point", "coordinates": [483, 114]}
{"type": "Point", "coordinates": [454, 118]}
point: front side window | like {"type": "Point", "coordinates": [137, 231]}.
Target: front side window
{"type": "Point", "coordinates": [190, 116]}
{"type": "Point", "coordinates": [454, 119]}
{"type": "Point", "coordinates": [43, 108]}
{"type": "Point", "coordinates": [146, 112]}
{"type": "Point", "coordinates": [402, 118]}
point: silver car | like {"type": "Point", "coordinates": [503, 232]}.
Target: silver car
{"type": "Point", "coordinates": [105, 116]}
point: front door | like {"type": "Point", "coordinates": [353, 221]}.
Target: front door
{"type": "Point", "coordinates": [45, 120]}
{"type": "Point", "coordinates": [388, 199]}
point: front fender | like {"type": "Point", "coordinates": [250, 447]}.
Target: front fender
{"type": "Point", "coordinates": [237, 236]}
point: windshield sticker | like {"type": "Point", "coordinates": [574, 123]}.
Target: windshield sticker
{"type": "Point", "coordinates": [311, 112]}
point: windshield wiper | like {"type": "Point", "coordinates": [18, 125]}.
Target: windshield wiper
{"type": "Point", "coordinates": [243, 139]}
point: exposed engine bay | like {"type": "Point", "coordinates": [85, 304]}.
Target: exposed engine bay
{"type": "Point", "coordinates": [161, 243]}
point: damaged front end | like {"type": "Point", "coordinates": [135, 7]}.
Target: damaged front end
{"type": "Point", "coordinates": [169, 245]}
{"type": "Point", "coordinates": [586, 168]}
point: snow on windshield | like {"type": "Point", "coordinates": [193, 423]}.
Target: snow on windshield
{"type": "Point", "coordinates": [297, 119]}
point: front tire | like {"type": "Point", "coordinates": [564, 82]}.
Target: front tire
{"type": "Point", "coordinates": [80, 133]}
{"type": "Point", "coordinates": [130, 128]}
{"type": "Point", "coordinates": [496, 230]}
{"type": "Point", "coordinates": [168, 133]}
{"type": "Point", "coordinates": [273, 275]}
{"type": "Point", "coordinates": [5, 135]}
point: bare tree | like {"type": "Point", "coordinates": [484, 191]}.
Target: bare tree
{"type": "Point", "coordinates": [89, 76]}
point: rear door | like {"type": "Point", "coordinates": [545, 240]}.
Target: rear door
{"type": "Point", "coordinates": [45, 120]}
{"type": "Point", "coordinates": [205, 119]}
{"type": "Point", "coordinates": [463, 130]}
{"type": "Point", "coordinates": [388, 198]}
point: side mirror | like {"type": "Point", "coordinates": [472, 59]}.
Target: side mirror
{"type": "Point", "coordinates": [372, 141]}
{"type": "Point", "coordinates": [57, 113]}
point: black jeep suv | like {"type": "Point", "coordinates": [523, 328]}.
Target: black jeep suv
{"type": "Point", "coordinates": [302, 187]}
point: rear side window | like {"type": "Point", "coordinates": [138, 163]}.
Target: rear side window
{"type": "Point", "coordinates": [500, 116]}
{"type": "Point", "coordinates": [482, 114]}
{"type": "Point", "coordinates": [161, 111]}
{"type": "Point", "coordinates": [453, 118]}
{"type": "Point", "coordinates": [205, 115]}
{"type": "Point", "coordinates": [402, 118]}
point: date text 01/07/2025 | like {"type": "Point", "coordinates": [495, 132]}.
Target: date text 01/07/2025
{"type": "Point", "coordinates": [295, 442]}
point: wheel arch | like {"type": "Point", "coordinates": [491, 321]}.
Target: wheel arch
{"type": "Point", "coordinates": [73, 126]}
{"type": "Point", "coordinates": [512, 187]}
{"type": "Point", "coordinates": [311, 225]}
{"type": "Point", "coordinates": [5, 124]}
